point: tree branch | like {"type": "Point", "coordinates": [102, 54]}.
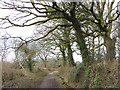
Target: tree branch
{"type": "Point", "coordinates": [37, 22]}
{"type": "Point", "coordinates": [67, 25]}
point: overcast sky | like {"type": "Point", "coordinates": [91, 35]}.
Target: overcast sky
{"type": "Point", "coordinates": [24, 33]}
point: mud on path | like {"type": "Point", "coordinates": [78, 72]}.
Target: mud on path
{"type": "Point", "coordinates": [47, 82]}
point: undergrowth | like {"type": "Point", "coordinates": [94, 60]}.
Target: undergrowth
{"type": "Point", "coordinates": [13, 77]}
{"type": "Point", "coordinates": [97, 75]}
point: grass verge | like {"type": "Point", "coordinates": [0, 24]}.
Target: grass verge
{"type": "Point", "coordinates": [25, 81]}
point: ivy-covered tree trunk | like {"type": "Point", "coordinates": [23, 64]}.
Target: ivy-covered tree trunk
{"type": "Point", "coordinates": [64, 58]}
{"type": "Point", "coordinates": [81, 42]}
{"type": "Point", "coordinates": [70, 56]}
{"type": "Point", "coordinates": [29, 62]}
{"type": "Point", "coordinates": [93, 49]}
{"type": "Point", "coordinates": [79, 35]}
{"type": "Point", "coordinates": [63, 55]}
{"type": "Point", "coordinates": [99, 54]}
{"type": "Point", "coordinates": [110, 48]}
{"type": "Point", "coordinates": [66, 35]}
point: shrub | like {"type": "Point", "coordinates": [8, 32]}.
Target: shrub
{"type": "Point", "coordinates": [10, 73]}
{"type": "Point", "coordinates": [76, 73]}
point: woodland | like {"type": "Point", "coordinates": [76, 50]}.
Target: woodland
{"type": "Point", "coordinates": [90, 28]}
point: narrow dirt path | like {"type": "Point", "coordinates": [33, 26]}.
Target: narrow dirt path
{"type": "Point", "coordinates": [48, 82]}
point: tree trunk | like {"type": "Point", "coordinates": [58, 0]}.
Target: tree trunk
{"type": "Point", "coordinates": [93, 49]}
{"type": "Point", "coordinates": [70, 56]}
{"type": "Point", "coordinates": [62, 50]}
{"type": "Point", "coordinates": [45, 61]}
{"type": "Point", "coordinates": [99, 54]}
{"type": "Point", "coordinates": [110, 48]}
{"type": "Point", "coordinates": [22, 67]}
{"type": "Point", "coordinates": [64, 58]}
{"type": "Point", "coordinates": [81, 42]}
{"type": "Point", "coordinates": [29, 64]}
{"type": "Point", "coordinates": [66, 35]}
{"type": "Point", "coordinates": [45, 64]}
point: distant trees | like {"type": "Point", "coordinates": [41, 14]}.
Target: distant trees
{"type": "Point", "coordinates": [45, 13]}
{"type": "Point", "coordinates": [89, 21]}
{"type": "Point", "coordinates": [27, 54]}
{"type": "Point", "coordinates": [63, 39]}
{"type": "Point", "coordinates": [43, 51]}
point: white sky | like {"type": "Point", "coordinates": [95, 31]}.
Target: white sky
{"type": "Point", "coordinates": [24, 32]}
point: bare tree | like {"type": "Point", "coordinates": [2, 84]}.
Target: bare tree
{"type": "Point", "coordinates": [43, 51]}
{"type": "Point", "coordinates": [42, 12]}
{"type": "Point", "coordinates": [104, 17]}
{"type": "Point", "coordinates": [27, 54]}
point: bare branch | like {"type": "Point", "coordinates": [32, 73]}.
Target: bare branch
{"type": "Point", "coordinates": [67, 25]}
{"type": "Point", "coordinates": [37, 22]}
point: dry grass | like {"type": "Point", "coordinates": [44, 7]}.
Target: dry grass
{"type": "Point", "coordinates": [65, 75]}
{"type": "Point", "coordinates": [10, 73]}
{"type": "Point", "coordinates": [19, 78]}
{"type": "Point", "coordinates": [65, 72]}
